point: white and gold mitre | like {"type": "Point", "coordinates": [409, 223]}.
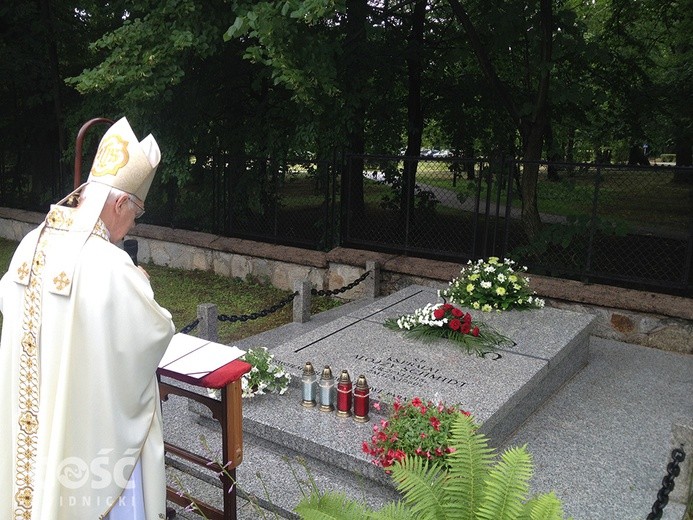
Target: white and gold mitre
{"type": "Point", "coordinates": [124, 162]}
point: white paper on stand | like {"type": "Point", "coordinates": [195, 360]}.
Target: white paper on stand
{"type": "Point", "coordinates": [196, 357]}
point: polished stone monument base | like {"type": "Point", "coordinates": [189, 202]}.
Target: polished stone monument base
{"type": "Point", "coordinates": [501, 392]}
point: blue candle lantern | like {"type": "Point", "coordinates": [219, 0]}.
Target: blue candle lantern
{"type": "Point", "coordinates": [309, 383]}
{"type": "Point", "coordinates": [327, 390]}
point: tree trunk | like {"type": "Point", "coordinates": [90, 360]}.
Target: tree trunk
{"type": "Point", "coordinates": [535, 128]}
{"type": "Point", "coordinates": [354, 81]}
{"type": "Point", "coordinates": [684, 157]}
{"type": "Point", "coordinates": [469, 154]}
{"type": "Point", "coordinates": [553, 154]}
{"type": "Point", "coordinates": [636, 157]}
{"type": "Point", "coordinates": [414, 111]}
{"type": "Point", "coordinates": [56, 83]}
{"type": "Point", "coordinates": [531, 129]}
{"type": "Point", "coordinates": [569, 156]}
{"type": "Point", "coordinates": [684, 150]}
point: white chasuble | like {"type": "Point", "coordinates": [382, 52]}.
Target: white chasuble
{"type": "Point", "coordinates": [79, 399]}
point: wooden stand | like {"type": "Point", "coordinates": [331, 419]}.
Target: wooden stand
{"type": "Point", "coordinates": [229, 413]}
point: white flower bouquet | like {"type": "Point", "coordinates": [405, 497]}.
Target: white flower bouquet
{"type": "Point", "coordinates": [492, 285]}
{"type": "Point", "coordinates": [265, 377]}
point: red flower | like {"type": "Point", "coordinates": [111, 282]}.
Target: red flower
{"type": "Point", "coordinates": [457, 313]}
{"type": "Point", "coordinates": [466, 327]}
{"type": "Point", "coordinates": [392, 440]}
{"type": "Point", "coordinates": [454, 324]}
{"type": "Point", "coordinates": [439, 313]}
{"type": "Point", "coordinates": [475, 331]}
{"type": "Point", "coordinates": [467, 318]}
{"type": "Point", "coordinates": [447, 307]}
{"type": "Point", "coordinates": [396, 405]}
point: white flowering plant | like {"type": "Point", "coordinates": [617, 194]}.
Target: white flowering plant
{"type": "Point", "coordinates": [265, 377]}
{"type": "Point", "coordinates": [444, 320]}
{"type": "Point", "coordinates": [492, 285]}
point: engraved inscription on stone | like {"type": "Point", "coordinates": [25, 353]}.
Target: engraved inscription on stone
{"type": "Point", "coordinates": [412, 371]}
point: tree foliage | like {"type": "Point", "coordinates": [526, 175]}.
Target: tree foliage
{"type": "Point", "coordinates": [543, 78]}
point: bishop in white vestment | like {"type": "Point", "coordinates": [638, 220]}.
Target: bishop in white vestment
{"type": "Point", "coordinates": [80, 420]}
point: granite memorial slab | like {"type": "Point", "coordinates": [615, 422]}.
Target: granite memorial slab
{"type": "Point", "coordinates": [501, 389]}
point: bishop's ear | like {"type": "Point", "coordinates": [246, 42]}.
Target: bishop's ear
{"type": "Point", "coordinates": [121, 203]}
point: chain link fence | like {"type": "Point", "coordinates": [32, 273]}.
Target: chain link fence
{"type": "Point", "coordinates": [623, 225]}
{"type": "Point", "coordinates": [626, 225]}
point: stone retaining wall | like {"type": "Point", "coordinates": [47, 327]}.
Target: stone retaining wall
{"type": "Point", "coordinates": [644, 318]}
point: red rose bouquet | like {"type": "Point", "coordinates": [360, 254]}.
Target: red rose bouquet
{"type": "Point", "coordinates": [446, 321]}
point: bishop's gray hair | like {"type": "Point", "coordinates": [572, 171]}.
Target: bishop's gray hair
{"type": "Point", "coordinates": [113, 194]}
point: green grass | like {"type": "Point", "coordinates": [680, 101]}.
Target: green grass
{"type": "Point", "coordinates": [182, 291]}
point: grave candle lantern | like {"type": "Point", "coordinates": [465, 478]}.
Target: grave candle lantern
{"type": "Point", "coordinates": [344, 396]}
{"type": "Point", "coordinates": [362, 400]}
{"type": "Point", "coordinates": [326, 390]}
{"type": "Point", "coordinates": [309, 382]}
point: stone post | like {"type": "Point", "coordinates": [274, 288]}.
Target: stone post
{"type": "Point", "coordinates": [208, 315]}
{"type": "Point", "coordinates": [302, 301]}
{"type": "Point", "coordinates": [371, 285]}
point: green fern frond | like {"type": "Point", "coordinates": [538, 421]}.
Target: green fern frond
{"type": "Point", "coordinates": [421, 485]}
{"type": "Point", "coordinates": [507, 486]}
{"type": "Point", "coordinates": [331, 506]}
{"type": "Point", "coordinates": [394, 511]}
{"type": "Point", "coordinates": [546, 506]}
{"type": "Point", "coordinates": [468, 468]}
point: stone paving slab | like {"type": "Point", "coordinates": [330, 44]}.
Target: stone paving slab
{"type": "Point", "coordinates": [604, 440]}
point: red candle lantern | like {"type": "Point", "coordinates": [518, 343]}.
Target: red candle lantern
{"type": "Point", "coordinates": [344, 396]}
{"type": "Point", "coordinates": [362, 399]}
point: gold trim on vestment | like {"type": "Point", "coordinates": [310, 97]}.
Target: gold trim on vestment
{"type": "Point", "coordinates": [58, 218]}
{"type": "Point", "coordinates": [28, 390]}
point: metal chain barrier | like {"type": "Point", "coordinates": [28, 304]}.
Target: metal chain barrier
{"type": "Point", "coordinates": [260, 314]}
{"type": "Point", "coordinates": [341, 289]}
{"type": "Point", "coordinates": [274, 308]}
{"type": "Point", "coordinates": [673, 470]}
{"type": "Point", "coordinates": [189, 328]}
